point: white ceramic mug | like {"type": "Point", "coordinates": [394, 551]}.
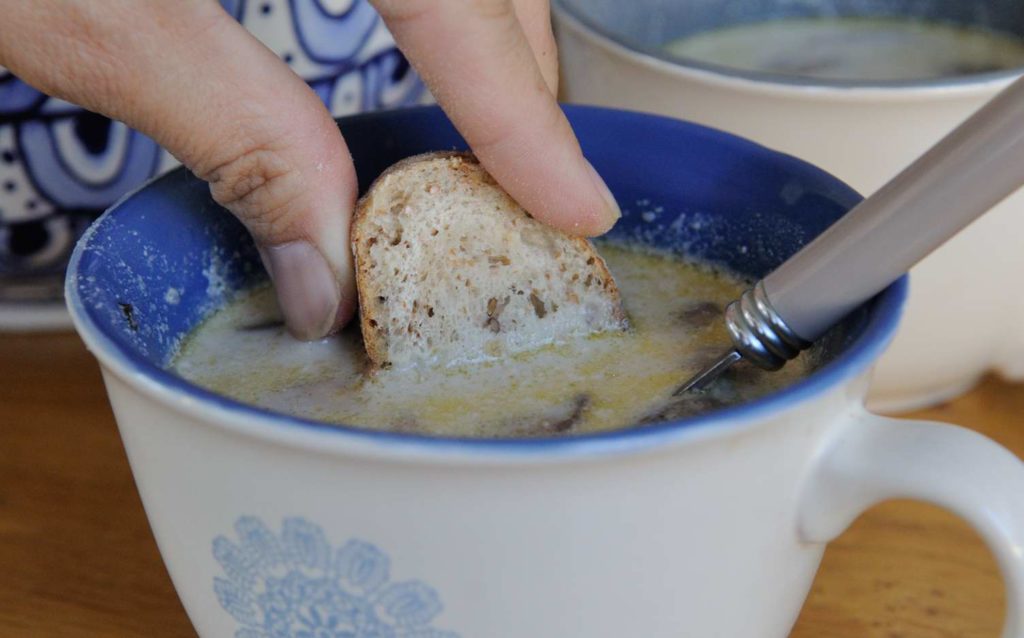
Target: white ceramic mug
{"type": "Point", "coordinates": [714, 526]}
{"type": "Point", "coordinates": [963, 315]}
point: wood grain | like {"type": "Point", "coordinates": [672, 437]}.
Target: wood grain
{"type": "Point", "coordinates": [77, 557]}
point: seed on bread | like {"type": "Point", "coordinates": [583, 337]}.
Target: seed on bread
{"type": "Point", "coordinates": [538, 305]}
{"type": "Point", "coordinates": [444, 252]}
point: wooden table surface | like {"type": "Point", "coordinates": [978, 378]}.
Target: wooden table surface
{"type": "Point", "coordinates": [77, 557]}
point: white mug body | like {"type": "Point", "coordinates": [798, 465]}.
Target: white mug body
{"type": "Point", "coordinates": [696, 535]}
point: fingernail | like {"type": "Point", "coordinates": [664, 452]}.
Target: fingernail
{"type": "Point", "coordinates": [613, 212]}
{"type": "Point", "coordinates": [306, 288]}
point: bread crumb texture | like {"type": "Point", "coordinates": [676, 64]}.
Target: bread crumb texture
{"type": "Point", "coordinates": [451, 270]}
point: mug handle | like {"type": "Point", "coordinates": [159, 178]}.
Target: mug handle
{"type": "Point", "coordinates": [874, 458]}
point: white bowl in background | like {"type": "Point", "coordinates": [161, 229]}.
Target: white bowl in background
{"type": "Point", "coordinates": [963, 315]}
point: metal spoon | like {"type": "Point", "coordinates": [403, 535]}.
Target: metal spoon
{"type": "Point", "coordinates": [968, 172]}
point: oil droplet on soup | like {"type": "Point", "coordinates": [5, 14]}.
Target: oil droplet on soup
{"type": "Point", "coordinates": [604, 382]}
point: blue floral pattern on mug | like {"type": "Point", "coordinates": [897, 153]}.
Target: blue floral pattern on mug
{"type": "Point", "coordinates": [61, 166]}
{"type": "Point", "coordinates": [295, 585]}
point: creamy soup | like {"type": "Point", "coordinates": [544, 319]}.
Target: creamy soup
{"type": "Point", "coordinates": [604, 382]}
{"type": "Point", "coordinates": [867, 49]}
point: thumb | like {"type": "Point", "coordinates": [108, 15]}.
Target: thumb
{"type": "Point", "coordinates": [292, 184]}
{"type": "Point", "coordinates": [194, 80]}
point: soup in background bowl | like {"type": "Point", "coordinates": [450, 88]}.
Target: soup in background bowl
{"type": "Point", "coordinates": [854, 49]}
{"type": "Point", "coordinates": [271, 524]}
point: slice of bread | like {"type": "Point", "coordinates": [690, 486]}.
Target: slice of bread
{"type": "Point", "coordinates": [451, 270]}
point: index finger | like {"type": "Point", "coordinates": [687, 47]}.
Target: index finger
{"type": "Point", "coordinates": [479, 65]}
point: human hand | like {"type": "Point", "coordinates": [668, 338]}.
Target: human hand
{"type": "Point", "coordinates": [189, 76]}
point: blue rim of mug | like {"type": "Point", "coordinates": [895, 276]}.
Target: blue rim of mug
{"type": "Point", "coordinates": [566, 11]}
{"type": "Point", "coordinates": [885, 310]}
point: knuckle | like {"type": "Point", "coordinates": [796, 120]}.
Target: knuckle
{"type": "Point", "coordinates": [513, 135]}
{"type": "Point", "coordinates": [492, 140]}
{"type": "Point", "coordinates": [492, 9]}
{"type": "Point", "coordinates": [259, 187]}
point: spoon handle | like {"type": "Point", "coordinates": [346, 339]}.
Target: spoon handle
{"type": "Point", "coordinates": [968, 172]}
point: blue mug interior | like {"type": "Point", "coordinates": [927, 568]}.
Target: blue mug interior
{"type": "Point", "coordinates": [158, 262]}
